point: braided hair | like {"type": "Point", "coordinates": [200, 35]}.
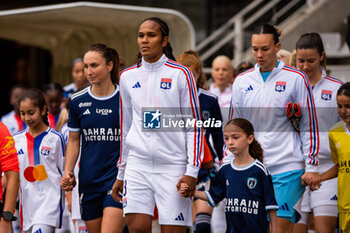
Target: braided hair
{"type": "Point", "coordinates": [164, 29]}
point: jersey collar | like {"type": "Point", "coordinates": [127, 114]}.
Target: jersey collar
{"type": "Point", "coordinates": [242, 168]}
{"type": "Point", "coordinates": [103, 97]}
{"type": "Point", "coordinates": [155, 65]}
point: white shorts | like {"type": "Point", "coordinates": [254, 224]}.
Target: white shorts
{"type": "Point", "coordinates": [80, 226]}
{"type": "Point", "coordinates": [142, 190]}
{"type": "Point", "coordinates": [41, 228]}
{"type": "Point", "coordinates": [326, 195]}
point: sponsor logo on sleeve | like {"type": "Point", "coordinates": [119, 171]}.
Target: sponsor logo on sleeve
{"type": "Point", "coordinates": [9, 148]}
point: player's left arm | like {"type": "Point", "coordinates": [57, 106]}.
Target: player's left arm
{"type": "Point", "coordinates": [60, 153]}
{"type": "Point", "coordinates": [216, 133]}
{"type": "Point", "coordinates": [12, 178]}
{"type": "Point", "coordinates": [333, 171]}
{"type": "Point", "coordinates": [10, 166]}
{"type": "Point", "coordinates": [273, 221]}
{"type": "Point", "coordinates": [189, 105]}
{"type": "Point", "coordinates": [309, 132]}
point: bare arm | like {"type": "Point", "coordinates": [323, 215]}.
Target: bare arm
{"type": "Point", "coordinates": [330, 173]}
{"type": "Point", "coordinates": [116, 189]}
{"type": "Point", "coordinates": [273, 221]}
{"type": "Point", "coordinates": [200, 195]}
{"type": "Point", "coordinates": [72, 153]}
{"type": "Point", "coordinates": [12, 178]}
{"type": "Point", "coordinates": [11, 190]}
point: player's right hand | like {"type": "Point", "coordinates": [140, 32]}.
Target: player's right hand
{"type": "Point", "coordinates": [116, 189]}
{"type": "Point", "coordinates": [68, 181]}
{"type": "Point", "coordinates": [191, 183]}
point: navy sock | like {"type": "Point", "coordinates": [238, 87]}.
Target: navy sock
{"type": "Point", "coordinates": [202, 223]}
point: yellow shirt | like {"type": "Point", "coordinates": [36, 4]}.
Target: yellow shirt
{"type": "Point", "coordinates": [339, 142]}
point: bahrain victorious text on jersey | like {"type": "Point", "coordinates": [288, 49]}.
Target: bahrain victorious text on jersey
{"type": "Point", "coordinates": [41, 161]}
{"type": "Point", "coordinates": [97, 121]}
{"type": "Point", "coordinates": [249, 195]}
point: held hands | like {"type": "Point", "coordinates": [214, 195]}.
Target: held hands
{"type": "Point", "coordinates": [183, 189]}
{"type": "Point", "coordinates": [186, 186]}
{"type": "Point", "coordinates": [116, 189]}
{"type": "Point", "coordinates": [312, 179]}
{"type": "Point", "coordinates": [68, 181]}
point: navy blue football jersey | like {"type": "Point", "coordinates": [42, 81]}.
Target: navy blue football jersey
{"type": "Point", "coordinates": [210, 109]}
{"type": "Point", "coordinates": [97, 120]}
{"type": "Point", "coordinates": [249, 194]}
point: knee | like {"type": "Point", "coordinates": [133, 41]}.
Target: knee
{"type": "Point", "coordinates": [139, 225]}
{"type": "Point", "coordinates": [138, 228]}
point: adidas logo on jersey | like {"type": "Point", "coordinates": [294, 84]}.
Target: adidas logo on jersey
{"type": "Point", "coordinates": [87, 112]}
{"type": "Point", "coordinates": [250, 88]}
{"type": "Point", "coordinates": [334, 198]}
{"type": "Point", "coordinates": [38, 231]}
{"type": "Point", "coordinates": [137, 85]}
{"type": "Point", "coordinates": [284, 207]}
{"type": "Point", "coordinates": [20, 152]}
{"type": "Point", "coordinates": [180, 217]}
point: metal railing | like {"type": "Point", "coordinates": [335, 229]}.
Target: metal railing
{"type": "Point", "coordinates": [233, 30]}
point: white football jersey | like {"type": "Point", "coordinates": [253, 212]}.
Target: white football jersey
{"type": "Point", "coordinates": [41, 162]}
{"type": "Point", "coordinates": [325, 96]}
{"type": "Point", "coordinates": [13, 123]}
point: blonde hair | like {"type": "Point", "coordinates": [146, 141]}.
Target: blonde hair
{"type": "Point", "coordinates": [284, 55]}
{"type": "Point", "coordinates": [293, 59]}
{"type": "Point", "coordinates": [225, 58]}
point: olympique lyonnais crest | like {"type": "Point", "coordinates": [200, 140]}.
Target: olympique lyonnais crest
{"type": "Point", "coordinates": [280, 86]}
{"type": "Point", "coordinates": [326, 95]}
{"type": "Point", "coordinates": [45, 150]}
{"type": "Point", "coordinates": [165, 83]}
{"type": "Point", "coordinates": [251, 182]}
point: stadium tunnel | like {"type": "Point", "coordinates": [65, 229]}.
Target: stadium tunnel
{"type": "Point", "coordinates": [68, 30]}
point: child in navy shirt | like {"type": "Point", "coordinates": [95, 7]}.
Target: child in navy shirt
{"type": "Point", "coordinates": [245, 183]}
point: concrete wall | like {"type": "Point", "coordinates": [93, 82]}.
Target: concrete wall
{"type": "Point", "coordinates": [328, 16]}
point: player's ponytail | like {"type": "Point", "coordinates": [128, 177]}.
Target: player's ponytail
{"type": "Point", "coordinates": [110, 55]}
{"type": "Point", "coordinates": [38, 99]}
{"type": "Point", "coordinates": [164, 29]}
{"type": "Point", "coordinates": [255, 149]}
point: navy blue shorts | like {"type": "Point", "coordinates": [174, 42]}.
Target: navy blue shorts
{"type": "Point", "coordinates": [92, 204]}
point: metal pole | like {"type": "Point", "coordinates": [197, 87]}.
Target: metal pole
{"type": "Point", "coordinates": [238, 42]}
